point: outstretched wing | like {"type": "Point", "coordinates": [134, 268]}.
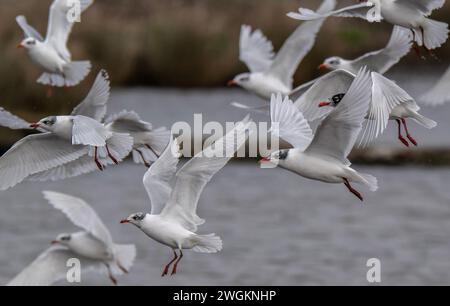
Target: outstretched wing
{"type": "Point", "coordinates": [60, 26]}
{"type": "Point", "coordinates": [256, 51]}
{"type": "Point", "coordinates": [33, 154]}
{"type": "Point", "coordinates": [158, 177]}
{"type": "Point", "coordinates": [386, 95]}
{"type": "Point", "coordinates": [95, 103]}
{"type": "Point", "coordinates": [358, 10]}
{"type": "Point", "coordinates": [297, 46]}
{"type": "Point", "coordinates": [337, 134]}
{"type": "Point", "coordinates": [28, 30]}
{"type": "Point", "coordinates": [323, 89]}
{"type": "Point", "coordinates": [195, 174]}
{"type": "Point", "coordinates": [288, 122]}
{"type": "Point", "coordinates": [12, 121]}
{"type": "Point", "coordinates": [382, 60]}
{"type": "Point", "coordinates": [81, 214]}
{"type": "Point", "coordinates": [51, 267]}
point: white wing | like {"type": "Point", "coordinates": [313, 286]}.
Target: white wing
{"type": "Point", "coordinates": [381, 61]}
{"type": "Point", "coordinates": [332, 83]}
{"type": "Point", "coordinates": [81, 214]}
{"type": "Point", "coordinates": [59, 25]}
{"type": "Point", "coordinates": [127, 122]}
{"type": "Point", "coordinates": [195, 174]}
{"type": "Point", "coordinates": [51, 267]}
{"type": "Point", "coordinates": [425, 6]}
{"type": "Point", "coordinates": [11, 121]}
{"type": "Point", "coordinates": [440, 93]}
{"type": "Point", "coordinates": [87, 131]}
{"type": "Point", "coordinates": [386, 95]}
{"type": "Point", "coordinates": [95, 103]}
{"type": "Point", "coordinates": [28, 30]}
{"type": "Point", "coordinates": [358, 10]}
{"type": "Point", "coordinates": [337, 134]}
{"type": "Point", "coordinates": [158, 177]}
{"type": "Point", "coordinates": [33, 154]}
{"type": "Point", "coordinates": [256, 51]}
{"type": "Point", "coordinates": [288, 122]}
{"type": "Point", "coordinates": [297, 46]}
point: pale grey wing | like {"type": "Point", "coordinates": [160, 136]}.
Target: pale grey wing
{"type": "Point", "coordinates": [297, 46]}
{"type": "Point", "coordinates": [60, 26]}
{"type": "Point", "coordinates": [381, 61]}
{"type": "Point", "coordinates": [87, 131]}
{"type": "Point", "coordinates": [440, 93]}
{"type": "Point", "coordinates": [127, 122]}
{"type": "Point", "coordinates": [51, 267]}
{"type": "Point", "coordinates": [28, 30]}
{"type": "Point", "coordinates": [424, 6]}
{"type": "Point", "coordinates": [323, 89]}
{"type": "Point", "coordinates": [255, 50]}
{"type": "Point", "coordinates": [12, 121]}
{"type": "Point", "coordinates": [386, 95]}
{"type": "Point", "coordinates": [33, 154]}
{"type": "Point", "coordinates": [288, 123]}
{"type": "Point", "coordinates": [300, 90]}
{"type": "Point", "coordinates": [157, 179]}
{"type": "Point", "coordinates": [95, 103]}
{"type": "Point", "coordinates": [358, 10]}
{"type": "Point", "coordinates": [195, 174]}
{"type": "Point", "coordinates": [337, 134]}
{"type": "Point", "coordinates": [81, 214]}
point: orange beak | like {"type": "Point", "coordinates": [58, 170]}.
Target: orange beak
{"type": "Point", "coordinates": [19, 46]}
{"type": "Point", "coordinates": [231, 83]}
{"type": "Point", "coordinates": [264, 160]}
{"type": "Point", "coordinates": [34, 125]}
{"type": "Point", "coordinates": [323, 104]}
{"type": "Point", "coordinates": [322, 67]}
{"type": "Point", "coordinates": [124, 221]}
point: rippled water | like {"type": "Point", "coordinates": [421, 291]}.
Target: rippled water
{"type": "Point", "coordinates": [278, 229]}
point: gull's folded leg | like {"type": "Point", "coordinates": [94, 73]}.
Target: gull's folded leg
{"type": "Point", "coordinates": [99, 165]}
{"type": "Point", "coordinates": [352, 190]}
{"type": "Point", "coordinates": [49, 92]}
{"type": "Point", "coordinates": [111, 277]}
{"type": "Point", "coordinates": [174, 271]}
{"type": "Point", "coordinates": [143, 158]}
{"type": "Point", "coordinates": [166, 269]}
{"type": "Point", "coordinates": [150, 148]}
{"type": "Point", "coordinates": [110, 156]}
{"type": "Point", "coordinates": [414, 142]}
{"type": "Point", "coordinates": [400, 137]}
{"type": "Point", "coordinates": [122, 268]}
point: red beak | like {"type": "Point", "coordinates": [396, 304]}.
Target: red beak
{"type": "Point", "coordinates": [264, 160]}
{"type": "Point", "coordinates": [231, 83]}
{"type": "Point", "coordinates": [124, 221]}
{"type": "Point", "coordinates": [19, 46]}
{"type": "Point", "coordinates": [323, 104]}
{"type": "Point", "coordinates": [322, 67]}
{"type": "Point", "coordinates": [34, 125]}
{"type": "Point", "coordinates": [54, 242]}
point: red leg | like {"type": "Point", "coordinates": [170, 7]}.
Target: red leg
{"type": "Point", "coordinates": [150, 148]}
{"type": "Point", "coordinates": [49, 92]}
{"type": "Point", "coordinates": [416, 46]}
{"type": "Point", "coordinates": [400, 137]}
{"type": "Point", "coordinates": [99, 165]}
{"type": "Point", "coordinates": [111, 277]}
{"type": "Point", "coordinates": [110, 156]}
{"type": "Point", "coordinates": [414, 142]}
{"type": "Point", "coordinates": [430, 53]}
{"type": "Point", "coordinates": [174, 271]}
{"type": "Point", "coordinates": [166, 269]}
{"type": "Point", "coordinates": [122, 268]}
{"type": "Point", "coordinates": [143, 158]}
{"type": "Point", "coordinates": [350, 188]}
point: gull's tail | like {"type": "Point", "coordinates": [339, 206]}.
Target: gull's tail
{"type": "Point", "coordinates": [124, 256]}
{"type": "Point", "coordinates": [436, 33]}
{"type": "Point", "coordinates": [73, 74]}
{"type": "Point", "coordinates": [208, 243]}
{"type": "Point", "coordinates": [424, 121]}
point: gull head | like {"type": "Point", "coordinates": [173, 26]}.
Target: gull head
{"type": "Point", "coordinates": [242, 80]}
{"type": "Point", "coordinates": [63, 239]}
{"type": "Point", "coordinates": [28, 43]}
{"type": "Point", "coordinates": [332, 63]}
{"type": "Point", "coordinates": [276, 158]}
{"type": "Point", "coordinates": [46, 124]}
{"type": "Point", "coordinates": [135, 219]}
{"type": "Point", "coordinates": [334, 101]}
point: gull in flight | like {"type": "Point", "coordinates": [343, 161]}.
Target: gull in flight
{"type": "Point", "coordinates": [93, 247]}
{"type": "Point", "coordinates": [270, 73]}
{"type": "Point", "coordinates": [51, 54]}
{"type": "Point", "coordinates": [323, 157]}
{"type": "Point", "coordinates": [173, 220]}
{"type": "Point", "coordinates": [388, 102]}
{"type": "Point", "coordinates": [410, 14]}
{"type": "Point", "coordinates": [66, 146]}
{"type": "Point", "coordinates": [439, 94]}
{"type": "Point", "coordinates": [378, 61]}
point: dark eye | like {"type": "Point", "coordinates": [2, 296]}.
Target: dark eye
{"type": "Point", "coordinates": [46, 122]}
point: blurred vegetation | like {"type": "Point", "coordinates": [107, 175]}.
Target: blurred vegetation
{"type": "Point", "coordinates": [177, 43]}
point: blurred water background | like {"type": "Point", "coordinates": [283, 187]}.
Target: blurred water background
{"type": "Point", "coordinates": [278, 228]}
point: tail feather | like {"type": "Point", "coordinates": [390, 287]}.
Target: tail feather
{"type": "Point", "coordinates": [208, 244]}
{"type": "Point", "coordinates": [73, 74]}
{"type": "Point", "coordinates": [124, 256]}
{"type": "Point", "coordinates": [436, 33]}
{"type": "Point", "coordinates": [370, 181]}
{"type": "Point", "coordinates": [119, 145]}
{"type": "Point", "coordinates": [424, 121]}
